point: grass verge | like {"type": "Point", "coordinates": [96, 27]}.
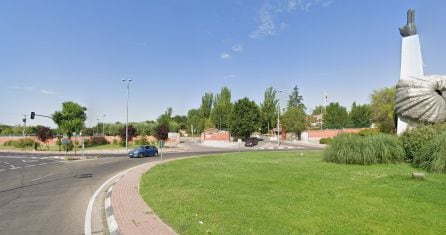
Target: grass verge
{"type": "Point", "coordinates": [285, 193]}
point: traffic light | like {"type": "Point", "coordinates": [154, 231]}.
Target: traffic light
{"type": "Point", "coordinates": [33, 114]}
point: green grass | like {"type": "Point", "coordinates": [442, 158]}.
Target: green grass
{"type": "Point", "coordinates": [285, 193]}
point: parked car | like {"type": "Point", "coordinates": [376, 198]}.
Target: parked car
{"type": "Point", "coordinates": [251, 141]}
{"type": "Point", "coordinates": [144, 151]}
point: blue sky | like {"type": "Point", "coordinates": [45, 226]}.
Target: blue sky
{"type": "Point", "coordinates": [175, 51]}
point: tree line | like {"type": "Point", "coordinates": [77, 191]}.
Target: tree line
{"type": "Point", "coordinates": [241, 117]}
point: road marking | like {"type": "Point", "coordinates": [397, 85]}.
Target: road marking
{"type": "Point", "coordinates": [43, 164]}
{"type": "Point", "coordinates": [2, 169]}
{"type": "Point", "coordinates": [29, 160]}
{"type": "Point", "coordinates": [7, 163]}
{"type": "Point", "coordinates": [104, 163]}
{"type": "Point", "coordinates": [88, 213]}
{"type": "Point", "coordinates": [29, 165]}
{"type": "Point", "coordinates": [42, 177]}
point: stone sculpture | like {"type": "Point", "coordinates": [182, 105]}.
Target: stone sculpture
{"type": "Point", "coordinates": [419, 98]}
{"type": "Point", "coordinates": [409, 29]}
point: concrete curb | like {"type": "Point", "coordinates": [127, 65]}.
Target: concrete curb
{"type": "Point", "coordinates": [113, 228]}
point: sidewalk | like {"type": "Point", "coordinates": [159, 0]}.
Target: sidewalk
{"type": "Point", "coordinates": [132, 214]}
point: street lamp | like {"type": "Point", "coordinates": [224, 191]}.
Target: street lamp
{"type": "Point", "coordinates": [278, 120]}
{"type": "Point", "coordinates": [127, 121]}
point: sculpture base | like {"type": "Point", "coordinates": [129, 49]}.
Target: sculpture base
{"type": "Point", "coordinates": [404, 125]}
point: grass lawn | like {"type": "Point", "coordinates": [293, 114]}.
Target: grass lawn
{"type": "Point", "coordinates": [285, 193]}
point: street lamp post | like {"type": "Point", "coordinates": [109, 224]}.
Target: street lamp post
{"type": "Point", "coordinates": [127, 120]}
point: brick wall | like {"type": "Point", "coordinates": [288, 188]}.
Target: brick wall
{"type": "Point", "coordinates": [317, 134]}
{"type": "Point", "coordinates": [218, 136]}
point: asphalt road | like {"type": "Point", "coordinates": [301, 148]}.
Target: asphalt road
{"type": "Point", "coordinates": [43, 195]}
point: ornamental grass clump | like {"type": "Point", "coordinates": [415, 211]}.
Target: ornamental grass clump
{"type": "Point", "coordinates": [364, 150]}
{"type": "Point", "coordinates": [432, 156]}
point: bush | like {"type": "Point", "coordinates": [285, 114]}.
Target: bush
{"type": "Point", "coordinates": [364, 150]}
{"type": "Point", "coordinates": [368, 132]}
{"type": "Point", "coordinates": [413, 140]}
{"type": "Point", "coordinates": [325, 140]}
{"type": "Point", "coordinates": [115, 142]}
{"type": "Point", "coordinates": [432, 156]}
{"type": "Point", "coordinates": [22, 143]}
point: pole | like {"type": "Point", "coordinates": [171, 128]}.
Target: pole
{"type": "Point", "coordinates": [278, 121]}
{"type": "Point", "coordinates": [127, 120]}
{"type": "Point", "coordinates": [83, 145]}
{"type": "Point", "coordinates": [278, 125]}
{"type": "Point", "coordinates": [103, 125]}
{"type": "Point", "coordinates": [24, 125]}
{"type": "Point", "coordinates": [97, 127]}
{"type": "Point", "coordinates": [74, 143]}
{"type": "Point", "coordinates": [192, 132]}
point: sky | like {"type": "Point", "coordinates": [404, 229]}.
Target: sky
{"type": "Point", "coordinates": [174, 51]}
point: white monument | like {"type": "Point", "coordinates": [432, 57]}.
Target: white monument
{"type": "Point", "coordinates": [419, 98]}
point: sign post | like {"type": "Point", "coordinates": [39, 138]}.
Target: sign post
{"type": "Point", "coordinates": [161, 148]}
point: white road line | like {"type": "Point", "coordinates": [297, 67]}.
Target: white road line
{"type": "Point", "coordinates": [42, 177]}
{"type": "Point", "coordinates": [7, 163]}
{"type": "Point", "coordinates": [104, 163]}
{"type": "Point", "coordinates": [43, 164]}
{"type": "Point", "coordinates": [2, 169]}
{"type": "Point", "coordinates": [30, 165]}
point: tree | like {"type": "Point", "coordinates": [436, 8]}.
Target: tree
{"type": "Point", "coordinates": [245, 118]}
{"type": "Point", "coordinates": [383, 109]}
{"type": "Point", "coordinates": [131, 133]}
{"type": "Point", "coordinates": [206, 105]}
{"type": "Point", "coordinates": [318, 110]}
{"type": "Point", "coordinates": [336, 117]}
{"type": "Point", "coordinates": [166, 117]}
{"type": "Point", "coordinates": [294, 120]}
{"type": "Point", "coordinates": [162, 131]}
{"type": "Point", "coordinates": [44, 134]}
{"type": "Point", "coordinates": [195, 118]}
{"type": "Point", "coordinates": [181, 120]}
{"type": "Point", "coordinates": [71, 118]}
{"type": "Point", "coordinates": [295, 99]}
{"type": "Point", "coordinates": [222, 109]}
{"type": "Point", "coordinates": [269, 109]}
{"type": "Point", "coordinates": [360, 115]}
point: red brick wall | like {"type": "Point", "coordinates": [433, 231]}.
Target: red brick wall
{"type": "Point", "coordinates": [332, 132]}
{"type": "Point", "coordinates": [219, 136]}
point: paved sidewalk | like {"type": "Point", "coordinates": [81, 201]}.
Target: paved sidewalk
{"type": "Point", "coordinates": [131, 212]}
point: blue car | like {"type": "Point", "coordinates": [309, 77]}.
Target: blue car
{"type": "Point", "coordinates": [144, 151]}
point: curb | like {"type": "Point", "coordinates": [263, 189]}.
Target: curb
{"type": "Point", "coordinates": [113, 228]}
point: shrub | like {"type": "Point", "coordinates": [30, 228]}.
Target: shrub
{"type": "Point", "coordinates": [413, 140]}
{"type": "Point", "coordinates": [368, 132]}
{"type": "Point", "coordinates": [364, 150]}
{"type": "Point", "coordinates": [21, 143]}
{"type": "Point", "coordinates": [99, 140]}
{"type": "Point", "coordinates": [143, 140]}
{"type": "Point", "coordinates": [115, 141]}
{"type": "Point", "coordinates": [325, 140]}
{"type": "Point", "coordinates": [432, 156]}
{"type": "Point", "coordinates": [9, 143]}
